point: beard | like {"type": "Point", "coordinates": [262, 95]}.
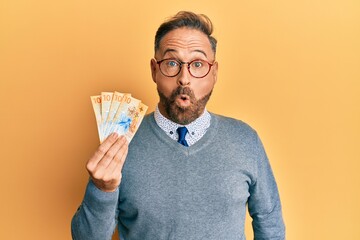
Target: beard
{"type": "Point", "coordinates": [179, 114]}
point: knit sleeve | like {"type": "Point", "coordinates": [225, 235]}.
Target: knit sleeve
{"type": "Point", "coordinates": [96, 216]}
{"type": "Point", "coordinates": [264, 201]}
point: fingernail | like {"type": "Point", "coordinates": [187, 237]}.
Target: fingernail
{"type": "Point", "coordinates": [114, 135]}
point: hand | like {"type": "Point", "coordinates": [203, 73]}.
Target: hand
{"type": "Point", "coordinates": [106, 164]}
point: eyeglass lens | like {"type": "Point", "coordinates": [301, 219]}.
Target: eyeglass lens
{"type": "Point", "coordinates": [197, 68]}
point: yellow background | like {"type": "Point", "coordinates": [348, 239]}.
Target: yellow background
{"type": "Point", "coordinates": [291, 69]}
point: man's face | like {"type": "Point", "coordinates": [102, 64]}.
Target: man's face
{"type": "Point", "coordinates": [183, 98]}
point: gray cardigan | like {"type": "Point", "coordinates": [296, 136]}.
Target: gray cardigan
{"type": "Point", "coordinates": [169, 191]}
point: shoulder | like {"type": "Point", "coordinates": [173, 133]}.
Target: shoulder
{"type": "Point", "coordinates": [231, 124]}
{"type": "Point", "coordinates": [235, 131]}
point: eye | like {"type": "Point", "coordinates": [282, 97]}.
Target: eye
{"type": "Point", "coordinates": [197, 64]}
{"type": "Point", "coordinates": [172, 63]}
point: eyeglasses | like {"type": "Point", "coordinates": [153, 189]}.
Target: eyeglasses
{"type": "Point", "coordinates": [197, 68]}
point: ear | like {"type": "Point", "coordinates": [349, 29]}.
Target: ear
{"type": "Point", "coordinates": [153, 66]}
{"type": "Point", "coordinates": [215, 71]}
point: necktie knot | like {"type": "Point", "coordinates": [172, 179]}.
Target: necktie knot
{"type": "Point", "coordinates": [182, 131]}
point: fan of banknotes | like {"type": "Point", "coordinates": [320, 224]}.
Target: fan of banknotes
{"type": "Point", "coordinates": [117, 112]}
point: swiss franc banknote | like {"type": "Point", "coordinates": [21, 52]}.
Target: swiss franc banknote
{"type": "Point", "coordinates": [117, 112]}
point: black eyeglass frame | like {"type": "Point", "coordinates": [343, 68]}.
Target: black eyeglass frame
{"type": "Point", "coordinates": [181, 64]}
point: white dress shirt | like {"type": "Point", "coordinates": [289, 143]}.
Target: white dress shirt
{"type": "Point", "coordinates": [197, 128]}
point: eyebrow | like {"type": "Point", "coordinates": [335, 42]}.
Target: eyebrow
{"type": "Point", "coordinates": [173, 50]}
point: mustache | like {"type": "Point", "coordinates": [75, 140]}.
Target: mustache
{"type": "Point", "coordinates": [182, 91]}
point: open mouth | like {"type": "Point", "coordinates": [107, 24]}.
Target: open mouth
{"type": "Point", "coordinates": [184, 97]}
{"type": "Point", "coordinates": [183, 100]}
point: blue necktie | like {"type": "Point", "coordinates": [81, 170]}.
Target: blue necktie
{"type": "Point", "coordinates": [182, 133]}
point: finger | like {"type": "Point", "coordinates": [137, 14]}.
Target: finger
{"type": "Point", "coordinates": [106, 173]}
{"type": "Point", "coordinates": [101, 151]}
{"type": "Point", "coordinates": [123, 157]}
{"type": "Point", "coordinates": [117, 171]}
{"type": "Point", "coordinates": [111, 153]}
{"type": "Point", "coordinates": [118, 156]}
{"type": "Point", "coordinates": [100, 171]}
{"type": "Point", "coordinates": [119, 159]}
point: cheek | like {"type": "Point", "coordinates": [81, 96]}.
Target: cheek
{"type": "Point", "coordinates": [202, 88]}
{"type": "Point", "coordinates": [166, 86]}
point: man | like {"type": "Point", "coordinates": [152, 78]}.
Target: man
{"type": "Point", "coordinates": [189, 174]}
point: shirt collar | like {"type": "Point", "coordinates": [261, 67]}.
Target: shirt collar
{"type": "Point", "coordinates": [196, 129]}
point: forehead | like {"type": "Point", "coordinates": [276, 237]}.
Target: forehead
{"type": "Point", "coordinates": [185, 40]}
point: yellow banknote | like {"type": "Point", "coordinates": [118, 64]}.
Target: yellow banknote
{"type": "Point", "coordinates": [124, 115]}
{"type": "Point", "coordinates": [136, 121]}
{"type": "Point", "coordinates": [117, 112]}
{"type": "Point", "coordinates": [112, 107]}
{"type": "Point", "coordinates": [96, 103]}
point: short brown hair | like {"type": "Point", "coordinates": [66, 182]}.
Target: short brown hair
{"type": "Point", "coordinates": [190, 20]}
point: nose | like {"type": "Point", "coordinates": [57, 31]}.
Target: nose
{"type": "Point", "coordinates": [184, 76]}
